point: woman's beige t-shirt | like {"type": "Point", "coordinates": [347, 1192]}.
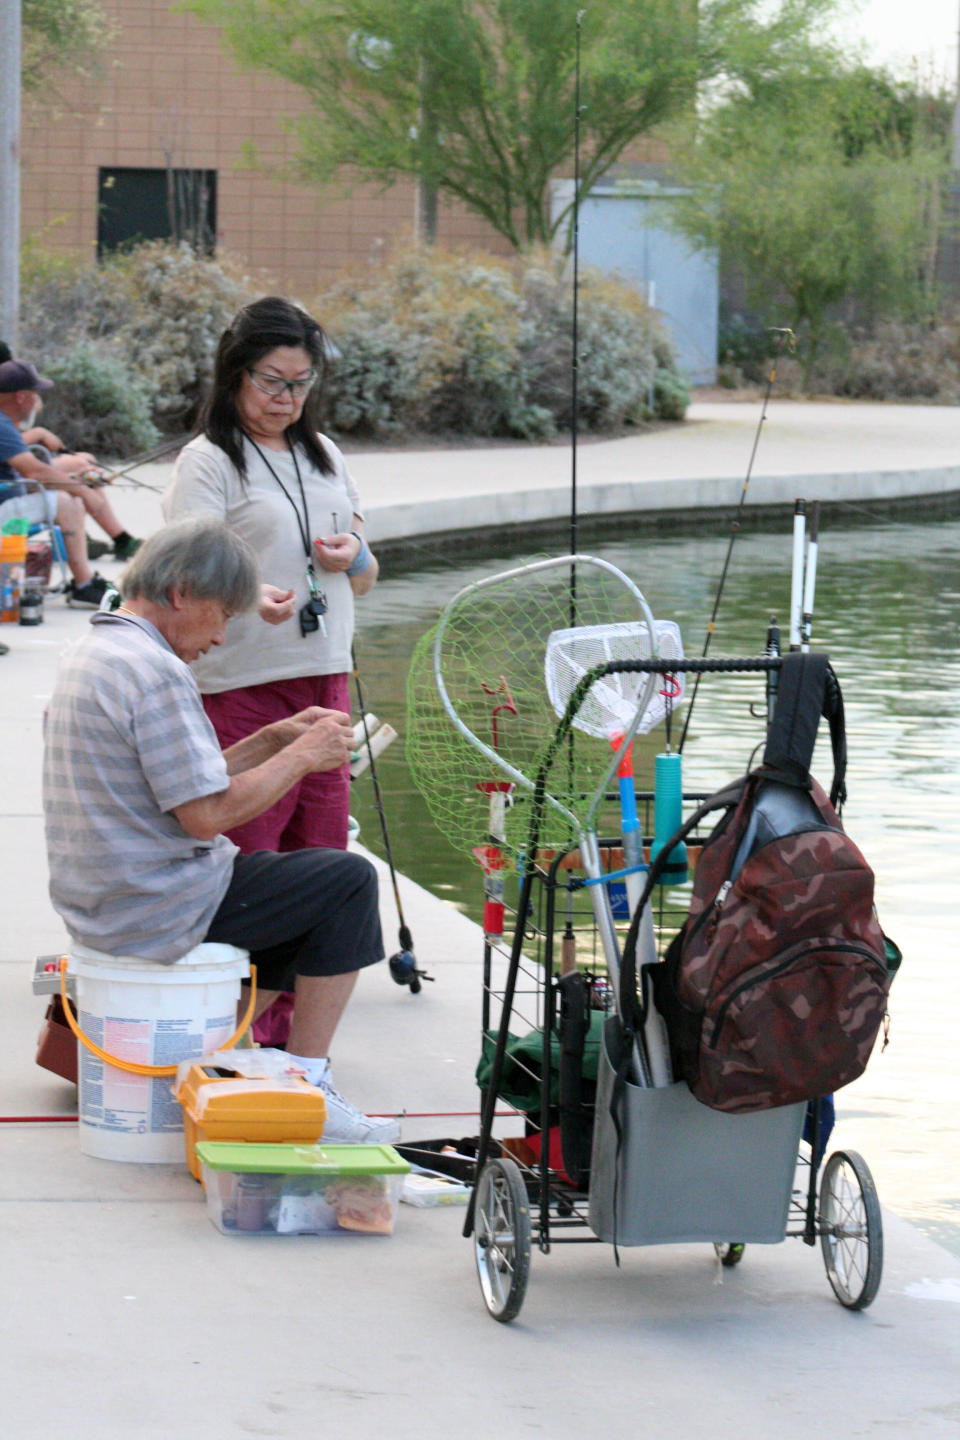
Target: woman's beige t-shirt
{"type": "Point", "coordinates": [205, 483]}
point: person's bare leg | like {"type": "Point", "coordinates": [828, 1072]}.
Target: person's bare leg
{"type": "Point", "coordinates": [98, 507]}
{"type": "Point", "coordinates": [265, 999]}
{"type": "Point", "coordinates": [70, 518]}
{"type": "Point", "coordinates": [320, 1002]}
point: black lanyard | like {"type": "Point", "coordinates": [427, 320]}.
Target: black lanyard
{"type": "Point", "coordinates": [311, 614]}
{"type": "Point", "coordinates": [303, 522]}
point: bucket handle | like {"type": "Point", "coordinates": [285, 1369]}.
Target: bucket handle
{"type": "Point", "coordinates": [133, 1066]}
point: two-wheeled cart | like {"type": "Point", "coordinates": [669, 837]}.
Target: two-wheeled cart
{"type": "Point", "coordinates": [693, 1174]}
{"type": "Point", "coordinates": [680, 1171]}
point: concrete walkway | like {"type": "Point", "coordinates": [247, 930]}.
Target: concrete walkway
{"type": "Point", "coordinates": [126, 1314]}
{"type": "Point", "coordinates": [820, 451]}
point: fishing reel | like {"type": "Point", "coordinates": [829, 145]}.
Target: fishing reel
{"type": "Point", "coordinates": [403, 968]}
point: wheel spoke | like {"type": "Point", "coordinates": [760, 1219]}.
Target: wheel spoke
{"type": "Point", "coordinates": [851, 1230]}
{"type": "Point", "coordinates": [502, 1238]}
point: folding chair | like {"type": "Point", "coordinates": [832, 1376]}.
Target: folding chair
{"type": "Point", "coordinates": [58, 548]}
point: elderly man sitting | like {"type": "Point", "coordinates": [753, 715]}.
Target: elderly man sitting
{"type": "Point", "coordinates": [137, 793]}
{"type": "Point", "coordinates": [57, 490]}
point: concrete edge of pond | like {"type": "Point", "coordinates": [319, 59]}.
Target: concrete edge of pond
{"type": "Point", "coordinates": [452, 517]}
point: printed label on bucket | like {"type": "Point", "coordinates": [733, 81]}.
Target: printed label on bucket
{"type": "Point", "coordinates": [117, 1101]}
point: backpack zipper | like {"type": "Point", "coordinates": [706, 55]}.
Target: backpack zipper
{"type": "Point", "coordinates": [843, 947]}
{"type": "Point", "coordinates": [712, 916]}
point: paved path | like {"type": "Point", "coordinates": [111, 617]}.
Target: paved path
{"type": "Point", "coordinates": [817, 450]}
{"type": "Point", "coordinates": [126, 1314]}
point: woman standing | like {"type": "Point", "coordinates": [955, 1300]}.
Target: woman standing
{"type": "Point", "coordinates": [261, 465]}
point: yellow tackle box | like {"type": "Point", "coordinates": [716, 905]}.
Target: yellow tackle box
{"type": "Point", "coordinates": [220, 1105]}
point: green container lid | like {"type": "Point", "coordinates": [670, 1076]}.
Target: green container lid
{"type": "Point", "coordinates": [302, 1159]}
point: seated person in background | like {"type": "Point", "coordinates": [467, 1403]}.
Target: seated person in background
{"type": "Point", "coordinates": [20, 387]}
{"type": "Point", "coordinates": [137, 793]}
{"type": "Point", "coordinates": [38, 435]}
{"type": "Point", "coordinates": [40, 438]}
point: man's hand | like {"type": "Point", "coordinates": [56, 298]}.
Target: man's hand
{"type": "Point", "coordinates": [79, 461]}
{"type": "Point", "coordinates": [324, 744]}
{"type": "Point", "coordinates": [327, 742]}
{"type": "Point", "coordinates": [284, 732]}
{"type": "Point", "coordinates": [274, 739]}
{"type": "Point", "coordinates": [275, 605]}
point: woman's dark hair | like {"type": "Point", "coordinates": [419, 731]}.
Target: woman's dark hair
{"type": "Point", "coordinates": [253, 333]}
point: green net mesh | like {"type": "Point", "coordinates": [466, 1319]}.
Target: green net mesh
{"type": "Point", "coordinates": [493, 641]}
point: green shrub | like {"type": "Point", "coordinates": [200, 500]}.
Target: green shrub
{"type": "Point", "coordinates": [433, 342]}
{"type": "Point", "coordinates": [98, 403]}
{"type": "Point", "coordinates": [616, 333]}
{"type": "Point", "coordinates": [159, 309]}
{"type": "Point", "coordinates": [427, 343]}
{"type": "Point", "coordinates": [670, 395]}
{"type": "Point", "coordinates": [893, 361]}
{"type": "Point", "coordinates": [444, 343]}
{"type": "Point", "coordinates": [890, 360]}
{"type": "Point", "coordinates": [743, 352]}
{"type": "Point", "coordinates": [177, 305]}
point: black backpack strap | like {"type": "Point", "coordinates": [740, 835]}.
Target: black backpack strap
{"type": "Point", "coordinates": [622, 1046]}
{"type": "Point", "coordinates": [833, 712]}
{"type": "Point", "coordinates": [807, 688]}
{"type": "Point", "coordinates": [793, 729]}
{"type": "Point", "coordinates": [576, 1120]}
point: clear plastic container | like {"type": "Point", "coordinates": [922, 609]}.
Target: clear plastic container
{"type": "Point", "coordinates": [302, 1189]}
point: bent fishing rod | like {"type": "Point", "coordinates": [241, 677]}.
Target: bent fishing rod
{"type": "Point", "coordinates": [146, 457]}
{"type": "Point", "coordinates": [785, 336]}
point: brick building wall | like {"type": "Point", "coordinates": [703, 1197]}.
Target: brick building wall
{"type": "Point", "coordinates": [168, 92]}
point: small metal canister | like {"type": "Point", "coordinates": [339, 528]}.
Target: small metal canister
{"type": "Point", "coordinates": [31, 602]}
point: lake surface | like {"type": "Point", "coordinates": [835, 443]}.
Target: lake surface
{"type": "Point", "coordinates": [888, 612]}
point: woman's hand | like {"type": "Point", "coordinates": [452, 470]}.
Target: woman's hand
{"type": "Point", "coordinates": [275, 605]}
{"type": "Point", "coordinates": [337, 552]}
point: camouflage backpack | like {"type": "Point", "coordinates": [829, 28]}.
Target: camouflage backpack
{"type": "Point", "coordinates": [776, 986]}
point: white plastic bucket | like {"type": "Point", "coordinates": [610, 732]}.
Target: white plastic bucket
{"type": "Point", "coordinates": [155, 1015]}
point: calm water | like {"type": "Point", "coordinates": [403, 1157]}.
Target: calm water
{"type": "Point", "coordinates": [888, 613]}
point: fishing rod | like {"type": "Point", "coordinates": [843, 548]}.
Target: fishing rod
{"type": "Point", "coordinates": [145, 458]}
{"type": "Point", "coordinates": [575, 339]}
{"type": "Point", "coordinates": [784, 336]}
{"type": "Point", "coordinates": [403, 965]}
{"type": "Point", "coordinates": [810, 577]}
{"type": "Point", "coordinates": [574, 361]}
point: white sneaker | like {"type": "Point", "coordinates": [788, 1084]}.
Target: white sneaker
{"type": "Point", "coordinates": [346, 1125]}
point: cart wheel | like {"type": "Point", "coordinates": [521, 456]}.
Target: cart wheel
{"type": "Point", "coordinates": [502, 1238]}
{"type": "Point", "coordinates": [851, 1229]}
{"type": "Point", "coordinates": [730, 1255]}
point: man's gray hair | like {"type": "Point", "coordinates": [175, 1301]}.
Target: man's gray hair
{"type": "Point", "coordinates": [202, 558]}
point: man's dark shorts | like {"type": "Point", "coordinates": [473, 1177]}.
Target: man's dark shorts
{"type": "Point", "coordinates": [310, 912]}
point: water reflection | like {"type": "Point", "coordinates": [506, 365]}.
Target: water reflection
{"type": "Point", "coordinates": [888, 612]}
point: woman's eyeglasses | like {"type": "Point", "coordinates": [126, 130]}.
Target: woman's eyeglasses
{"type": "Point", "coordinates": [274, 385]}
